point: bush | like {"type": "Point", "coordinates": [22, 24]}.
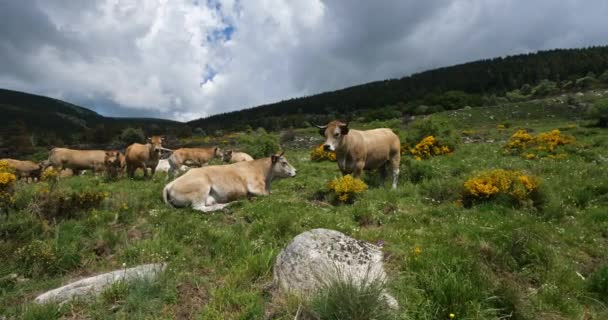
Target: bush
{"type": "Point", "coordinates": [56, 205]}
{"type": "Point", "coordinates": [417, 171]}
{"type": "Point", "coordinates": [599, 113]}
{"type": "Point", "coordinates": [428, 147]}
{"type": "Point", "coordinates": [36, 258]}
{"type": "Point", "coordinates": [585, 82]}
{"type": "Point", "coordinates": [440, 130]}
{"type": "Point", "coordinates": [604, 77]}
{"type": "Point", "coordinates": [259, 144]}
{"type": "Point", "coordinates": [598, 282]}
{"type": "Point", "coordinates": [7, 187]}
{"type": "Point", "coordinates": [288, 135]}
{"type": "Point", "coordinates": [499, 183]}
{"type": "Point", "coordinates": [346, 188]}
{"type": "Point", "coordinates": [130, 135]}
{"type": "Point", "coordinates": [345, 299]}
{"type": "Point", "coordinates": [319, 154]}
{"type": "Point", "coordinates": [545, 143]}
{"type": "Point", "coordinates": [545, 87]}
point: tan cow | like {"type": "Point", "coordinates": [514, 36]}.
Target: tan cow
{"type": "Point", "coordinates": [77, 160]}
{"type": "Point", "coordinates": [113, 163]}
{"type": "Point", "coordinates": [214, 187]}
{"type": "Point", "coordinates": [196, 157]}
{"type": "Point", "coordinates": [144, 156]}
{"type": "Point", "coordinates": [235, 156]}
{"type": "Point", "coordinates": [25, 169]}
{"type": "Point", "coordinates": [357, 150]}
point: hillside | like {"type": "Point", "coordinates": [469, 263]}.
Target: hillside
{"type": "Point", "coordinates": [46, 121]}
{"type": "Point", "coordinates": [441, 89]}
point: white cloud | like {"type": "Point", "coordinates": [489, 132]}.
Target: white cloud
{"type": "Point", "coordinates": [186, 59]}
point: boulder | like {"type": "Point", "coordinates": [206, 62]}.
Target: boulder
{"type": "Point", "coordinates": [319, 256]}
{"type": "Point", "coordinates": [97, 284]}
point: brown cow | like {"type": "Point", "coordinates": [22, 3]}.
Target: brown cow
{"type": "Point", "coordinates": [214, 187]}
{"type": "Point", "coordinates": [357, 150]}
{"type": "Point", "coordinates": [113, 163]}
{"type": "Point", "coordinates": [25, 169]}
{"type": "Point", "coordinates": [197, 157]}
{"type": "Point", "coordinates": [144, 155]}
{"type": "Point", "coordinates": [77, 160]}
{"type": "Point", "coordinates": [235, 156]}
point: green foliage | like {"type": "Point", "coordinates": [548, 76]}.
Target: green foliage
{"type": "Point", "coordinates": [585, 82]}
{"type": "Point", "coordinates": [603, 78]}
{"type": "Point", "coordinates": [545, 88]}
{"type": "Point", "coordinates": [598, 282]}
{"type": "Point", "coordinates": [36, 258]}
{"type": "Point", "coordinates": [454, 99]}
{"type": "Point", "coordinates": [56, 204]}
{"type": "Point", "coordinates": [416, 171]}
{"type": "Point", "coordinates": [599, 113]}
{"type": "Point", "coordinates": [443, 132]}
{"type": "Point", "coordinates": [259, 144]}
{"type": "Point", "coordinates": [345, 299]}
{"type": "Point", "coordinates": [131, 135]}
{"type": "Point", "coordinates": [380, 114]}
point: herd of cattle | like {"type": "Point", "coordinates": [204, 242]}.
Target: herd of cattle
{"type": "Point", "coordinates": [209, 188]}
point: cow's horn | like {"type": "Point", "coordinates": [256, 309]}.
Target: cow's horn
{"type": "Point", "coordinates": [321, 127]}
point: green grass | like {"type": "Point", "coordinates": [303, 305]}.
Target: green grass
{"type": "Point", "coordinates": [490, 261]}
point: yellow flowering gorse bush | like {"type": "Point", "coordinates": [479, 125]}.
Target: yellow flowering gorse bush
{"type": "Point", "coordinates": [546, 143]}
{"type": "Point", "coordinates": [346, 188]}
{"type": "Point", "coordinates": [428, 147]}
{"type": "Point", "coordinates": [319, 154]}
{"type": "Point", "coordinates": [7, 180]}
{"type": "Point", "coordinates": [488, 184]}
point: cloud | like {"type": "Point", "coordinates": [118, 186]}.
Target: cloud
{"type": "Point", "coordinates": [187, 59]}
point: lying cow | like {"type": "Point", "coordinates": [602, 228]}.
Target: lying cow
{"type": "Point", "coordinates": [212, 188]}
{"type": "Point", "coordinates": [357, 150]}
{"type": "Point", "coordinates": [235, 156]}
{"type": "Point", "coordinates": [24, 169]}
{"type": "Point", "coordinates": [77, 160]}
{"type": "Point", "coordinates": [196, 157]}
{"type": "Point", "coordinates": [113, 163]}
{"type": "Point", "coordinates": [144, 156]}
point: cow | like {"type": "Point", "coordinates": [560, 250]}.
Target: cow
{"type": "Point", "coordinates": [144, 155]}
{"type": "Point", "coordinates": [197, 157]}
{"type": "Point", "coordinates": [235, 156]}
{"type": "Point", "coordinates": [214, 187]}
{"type": "Point", "coordinates": [25, 169]}
{"type": "Point", "coordinates": [113, 163]}
{"type": "Point", "coordinates": [77, 160]}
{"type": "Point", "coordinates": [357, 150]}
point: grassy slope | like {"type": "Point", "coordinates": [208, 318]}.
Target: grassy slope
{"type": "Point", "coordinates": [486, 262]}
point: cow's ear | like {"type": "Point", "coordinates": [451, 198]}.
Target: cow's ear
{"type": "Point", "coordinates": [274, 158]}
{"type": "Point", "coordinates": [107, 153]}
{"type": "Point", "coordinates": [149, 139]}
{"type": "Point", "coordinates": [344, 129]}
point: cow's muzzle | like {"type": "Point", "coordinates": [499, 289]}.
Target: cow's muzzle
{"type": "Point", "coordinates": [326, 147]}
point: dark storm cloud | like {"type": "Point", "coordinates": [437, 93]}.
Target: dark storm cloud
{"type": "Point", "coordinates": [153, 58]}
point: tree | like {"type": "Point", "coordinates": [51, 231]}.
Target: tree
{"type": "Point", "coordinates": [130, 135]}
{"type": "Point", "coordinates": [599, 112]}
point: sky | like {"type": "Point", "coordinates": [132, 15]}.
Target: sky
{"type": "Point", "coordinates": [184, 60]}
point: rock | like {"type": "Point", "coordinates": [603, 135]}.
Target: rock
{"type": "Point", "coordinates": [95, 285]}
{"type": "Point", "coordinates": [320, 255]}
{"type": "Point", "coordinates": [579, 94]}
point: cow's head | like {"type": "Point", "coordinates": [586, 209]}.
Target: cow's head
{"type": "Point", "coordinates": [333, 133]}
{"type": "Point", "coordinates": [157, 144]}
{"type": "Point", "coordinates": [112, 159]}
{"type": "Point", "coordinates": [281, 168]}
{"type": "Point", "coordinates": [217, 152]}
{"type": "Point", "coordinates": [227, 155]}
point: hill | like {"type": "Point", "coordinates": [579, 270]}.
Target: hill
{"type": "Point", "coordinates": [45, 121]}
{"type": "Point", "coordinates": [454, 87]}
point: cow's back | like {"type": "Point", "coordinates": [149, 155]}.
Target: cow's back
{"type": "Point", "coordinates": [137, 153]}
{"type": "Point", "coordinates": [377, 146]}
{"type": "Point", "coordinates": [77, 159]}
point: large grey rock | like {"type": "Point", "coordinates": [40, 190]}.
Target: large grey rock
{"type": "Point", "coordinates": [319, 256]}
{"type": "Point", "coordinates": [95, 285]}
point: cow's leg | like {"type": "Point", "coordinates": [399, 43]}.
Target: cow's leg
{"type": "Point", "coordinates": [205, 208]}
{"type": "Point", "coordinates": [358, 170]}
{"type": "Point", "coordinates": [394, 165]}
{"type": "Point", "coordinates": [258, 189]}
{"type": "Point", "coordinates": [145, 167]}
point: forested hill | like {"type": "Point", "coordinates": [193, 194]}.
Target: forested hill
{"type": "Point", "coordinates": [443, 88]}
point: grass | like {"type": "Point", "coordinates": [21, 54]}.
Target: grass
{"type": "Point", "coordinates": [494, 260]}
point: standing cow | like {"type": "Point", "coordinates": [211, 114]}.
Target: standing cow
{"type": "Point", "coordinates": [357, 150]}
{"type": "Point", "coordinates": [144, 156]}
{"type": "Point", "coordinates": [192, 157]}
{"type": "Point", "coordinates": [25, 169]}
{"type": "Point", "coordinates": [77, 160]}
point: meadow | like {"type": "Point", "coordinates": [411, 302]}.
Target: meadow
{"type": "Point", "coordinates": [495, 259]}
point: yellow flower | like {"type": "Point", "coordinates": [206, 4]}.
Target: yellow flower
{"type": "Point", "coordinates": [452, 316]}
{"type": "Point", "coordinates": [487, 184]}
{"type": "Point", "coordinates": [346, 187]}
{"type": "Point", "coordinates": [319, 154]}
{"type": "Point", "coordinates": [417, 251]}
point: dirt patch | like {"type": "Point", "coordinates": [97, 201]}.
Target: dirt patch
{"type": "Point", "coordinates": [191, 298]}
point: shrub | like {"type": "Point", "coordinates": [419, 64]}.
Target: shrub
{"type": "Point", "coordinates": [288, 135]}
{"type": "Point", "coordinates": [545, 87]}
{"type": "Point", "coordinates": [346, 299]}
{"type": "Point", "coordinates": [346, 188]}
{"type": "Point", "coordinates": [51, 205]}
{"type": "Point", "coordinates": [131, 135]}
{"type": "Point", "coordinates": [598, 282]}
{"type": "Point", "coordinates": [440, 130]}
{"type": "Point", "coordinates": [546, 143]}
{"type": "Point", "coordinates": [36, 258]}
{"type": "Point", "coordinates": [491, 184]}
{"type": "Point", "coordinates": [428, 147]}
{"type": "Point", "coordinates": [259, 144]}
{"type": "Point", "coordinates": [50, 176]}
{"type": "Point", "coordinates": [7, 188]}
{"type": "Point", "coordinates": [417, 171]}
{"type": "Point", "coordinates": [599, 113]}
{"type": "Point", "coordinates": [319, 154]}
